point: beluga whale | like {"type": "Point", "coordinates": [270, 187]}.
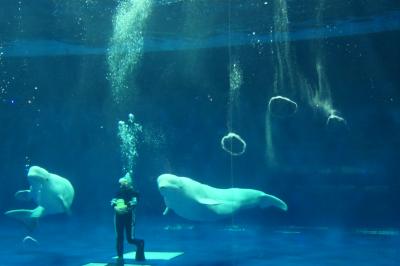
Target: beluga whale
{"type": "Point", "coordinates": [52, 193]}
{"type": "Point", "coordinates": [195, 201]}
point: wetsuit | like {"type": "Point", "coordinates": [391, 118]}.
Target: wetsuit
{"type": "Point", "coordinates": [125, 221]}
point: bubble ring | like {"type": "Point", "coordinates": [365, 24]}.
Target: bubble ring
{"type": "Point", "coordinates": [289, 104]}
{"type": "Point", "coordinates": [232, 136]}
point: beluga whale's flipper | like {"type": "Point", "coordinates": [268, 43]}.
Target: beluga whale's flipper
{"type": "Point", "coordinates": [23, 195]}
{"type": "Point", "coordinates": [28, 217]}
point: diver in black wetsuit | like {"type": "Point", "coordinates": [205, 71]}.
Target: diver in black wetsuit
{"type": "Point", "coordinates": [124, 204]}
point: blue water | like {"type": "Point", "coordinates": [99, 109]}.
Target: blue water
{"type": "Point", "coordinates": [205, 244]}
{"type": "Point", "coordinates": [342, 186]}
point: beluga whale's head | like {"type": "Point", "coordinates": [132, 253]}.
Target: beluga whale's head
{"type": "Point", "coordinates": [38, 175]}
{"type": "Point", "coordinates": [169, 184]}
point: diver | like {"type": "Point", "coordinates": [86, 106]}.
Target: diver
{"type": "Point", "coordinates": [124, 204]}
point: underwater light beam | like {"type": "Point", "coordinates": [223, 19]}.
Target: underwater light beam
{"type": "Point", "coordinates": [321, 96]}
{"type": "Point", "coordinates": [285, 83]}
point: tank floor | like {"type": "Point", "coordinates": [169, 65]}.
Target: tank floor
{"type": "Point", "coordinates": [80, 242]}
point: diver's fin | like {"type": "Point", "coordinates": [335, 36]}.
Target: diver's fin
{"type": "Point", "coordinates": [269, 200]}
{"type": "Point", "coordinates": [166, 211]}
{"type": "Point", "coordinates": [28, 217]}
{"type": "Point", "coordinates": [23, 195]}
{"type": "Point", "coordinates": [207, 201]}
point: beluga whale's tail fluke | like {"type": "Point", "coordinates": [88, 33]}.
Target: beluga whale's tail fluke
{"type": "Point", "coordinates": [269, 200]}
{"type": "Point", "coordinates": [28, 217]}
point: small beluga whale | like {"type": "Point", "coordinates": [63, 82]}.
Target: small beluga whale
{"type": "Point", "coordinates": [195, 201]}
{"type": "Point", "coordinates": [52, 193]}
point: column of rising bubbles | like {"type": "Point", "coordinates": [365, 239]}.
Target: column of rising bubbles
{"type": "Point", "coordinates": [123, 55]}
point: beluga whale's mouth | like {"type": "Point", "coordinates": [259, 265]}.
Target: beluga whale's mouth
{"type": "Point", "coordinates": [167, 182]}
{"type": "Point", "coordinates": [166, 187]}
{"type": "Point", "coordinates": [162, 188]}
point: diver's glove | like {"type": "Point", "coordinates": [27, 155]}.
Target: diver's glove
{"type": "Point", "coordinates": [133, 202]}
{"type": "Point", "coordinates": [113, 202]}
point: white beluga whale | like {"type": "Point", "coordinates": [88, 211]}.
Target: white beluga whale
{"type": "Point", "coordinates": [195, 201]}
{"type": "Point", "coordinates": [52, 193]}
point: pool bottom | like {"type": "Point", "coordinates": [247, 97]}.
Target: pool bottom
{"type": "Point", "coordinates": [83, 242]}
